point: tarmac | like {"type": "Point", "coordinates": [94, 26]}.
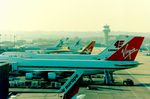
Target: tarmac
{"type": "Point", "coordinates": [141, 89]}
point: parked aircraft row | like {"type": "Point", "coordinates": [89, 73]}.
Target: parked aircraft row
{"type": "Point", "coordinates": [37, 49]}
{"type": "Point", "coordinates": [87, 50]}
{"type": "Point", "coordinates": [119, 55]}
{"type": "Point", "coordinates": [102, 56]}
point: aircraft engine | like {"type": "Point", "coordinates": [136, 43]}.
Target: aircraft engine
{"type": "Point", "coordinates": [29, 76]}
{"type": "Point", "coordinates": [51, 75]}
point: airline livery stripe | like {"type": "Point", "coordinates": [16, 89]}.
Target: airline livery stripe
{"type": "Point", "coordinates": [127, 65]}
{"type": "Point", "coordinates": [70, 67]}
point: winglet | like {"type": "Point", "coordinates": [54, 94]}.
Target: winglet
{"type": "Point", "coordinates": [89, 48]}
{"type": "Point", "coordinates": [129, 51]}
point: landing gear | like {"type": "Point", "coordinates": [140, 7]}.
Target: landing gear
{"type": "Point", "coordinates": [108, 77]}
{"type": "Point", "coordinates": [128, 82]}
{"type": "Point", "coordinates": [90, 78]}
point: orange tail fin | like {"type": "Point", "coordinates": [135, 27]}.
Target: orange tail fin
{"type": "Point", "coordinates": [89, 48]}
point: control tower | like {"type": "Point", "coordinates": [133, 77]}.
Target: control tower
{"type": "Point", "coordinates": [106, 31]}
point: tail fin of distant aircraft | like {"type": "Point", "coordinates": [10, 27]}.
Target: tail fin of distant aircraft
{"type": "Point", "coordinates": [129, 51]}
{"type": "Point", "coordinates": [76, 46]}
{"type": "Point", "coordinates": [60, 44]}
{"type": "Point", "coordinates": [114, 46]}
{"type": "Point", "coordinates": [89, 48]}
{"type": "Point", "coordinates": [77, 43]}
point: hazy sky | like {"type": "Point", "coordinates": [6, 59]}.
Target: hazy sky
{"type": "Point", "coordinates": [75, 15]}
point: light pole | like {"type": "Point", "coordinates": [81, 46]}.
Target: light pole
{"type": "Point", "coordinates": [14, 39]}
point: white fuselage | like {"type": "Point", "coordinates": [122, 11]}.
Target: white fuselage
{"type": "Point", "coordinates": [88, 66]}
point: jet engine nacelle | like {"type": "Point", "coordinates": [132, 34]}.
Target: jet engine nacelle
{"type": "Point", "coordinates": [29, 76]}
{"type": "Point", "coordinates": [51, 75]}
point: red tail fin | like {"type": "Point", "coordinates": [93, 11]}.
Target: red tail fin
{"type": "Point", "coordinates": [89, 48]}
{"type": "Point", "coordinates": [73, 91]}
{"type": "Point", "coordinates": [128, 51]}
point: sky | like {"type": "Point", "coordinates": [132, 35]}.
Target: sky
{"type": "Point", "coordinates": [75, 15]}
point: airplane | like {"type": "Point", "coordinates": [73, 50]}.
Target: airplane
{"type": "Point", "coordinates": [123, 58]}
{"type": "Point", "coordinates": [147, 49]}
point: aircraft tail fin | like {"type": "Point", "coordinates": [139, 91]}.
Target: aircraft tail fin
{"type": "Point", "coordinates": [114, 45]}
{"type": "Point", "coordinates": [75, 46]}
{"type": "Point", "coordinates": [88, 49]}
{"type": "Point", "coordinates": [60, 43]}
{"type": "Point", "coordinates": [128, 52]}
